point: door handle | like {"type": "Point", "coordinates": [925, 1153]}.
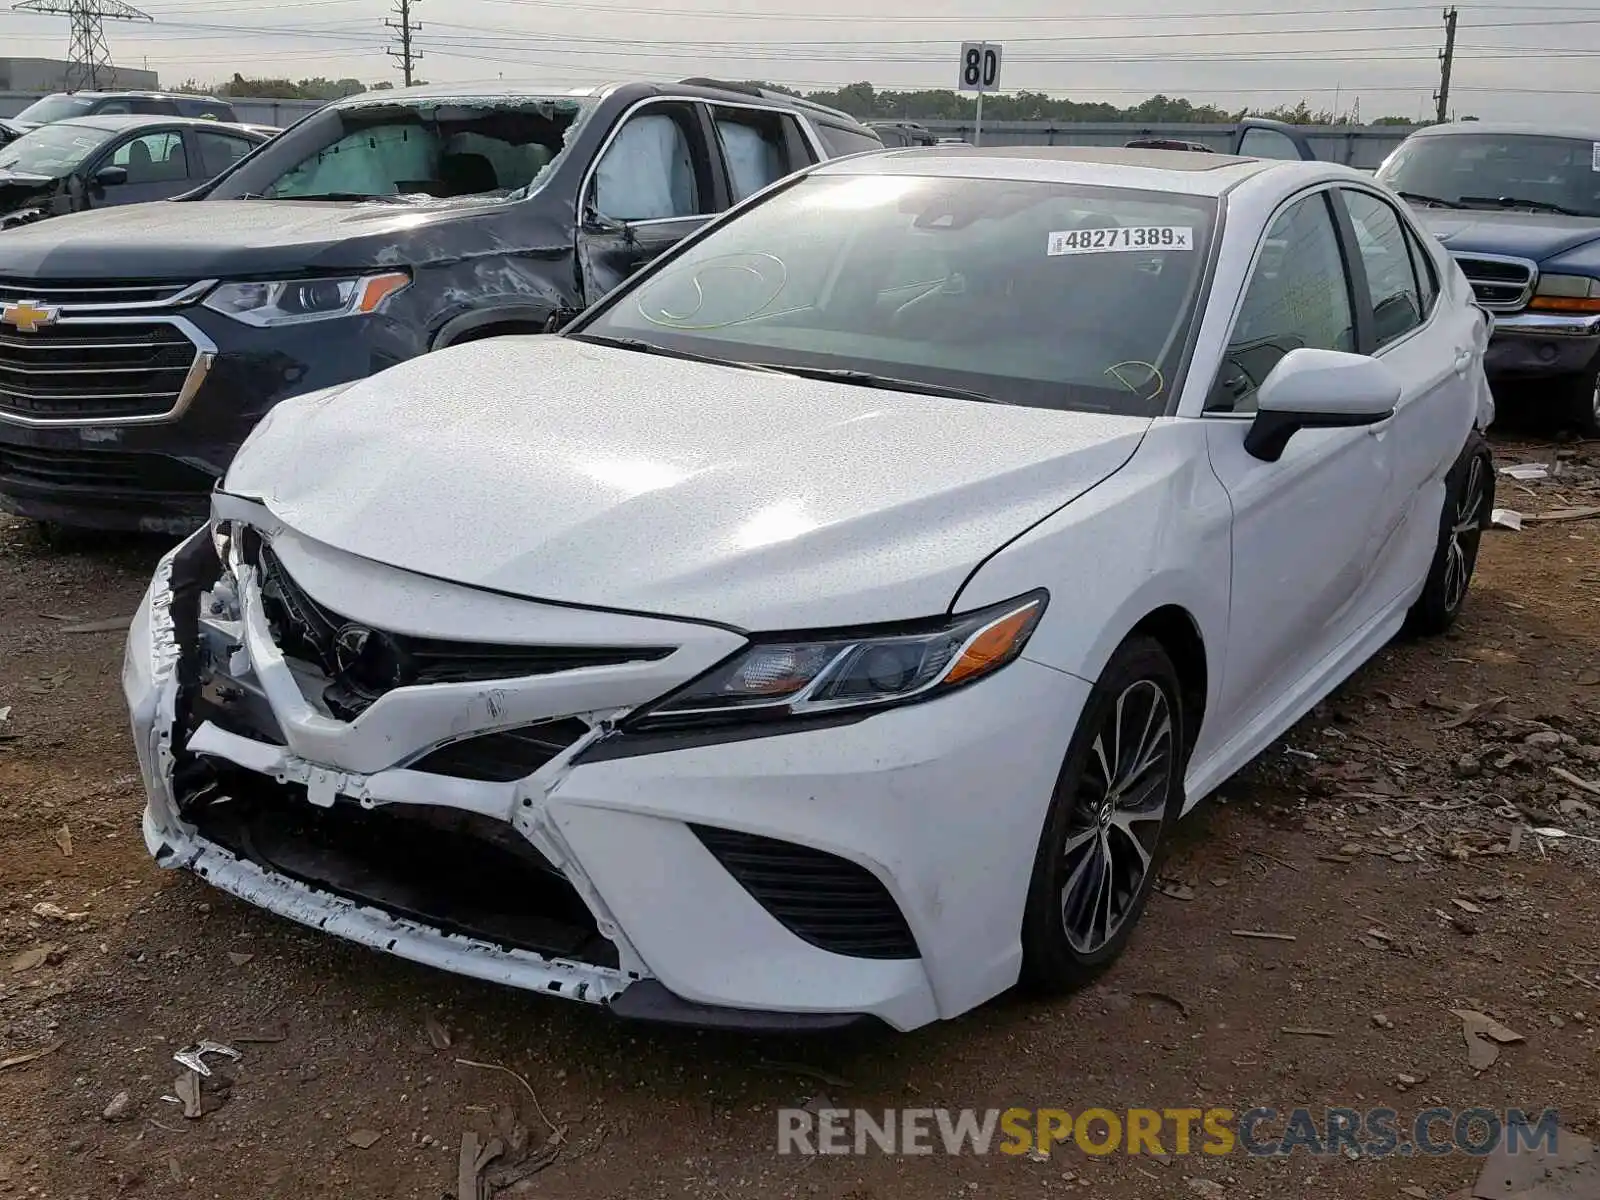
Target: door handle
{"type": "Point", "coordinates": [1463, 361]}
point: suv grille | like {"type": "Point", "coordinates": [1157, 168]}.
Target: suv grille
{"type": "Point", "coordinates": [1501, 285]}
{"type": "Point", "coordinates": [831, 902]}
{"type": "Point", "coordinates": [365, 664]}
{"type": "Point", "coordinates": [82, 369]}
{"type": "Point", "coordinates": [75, 293]}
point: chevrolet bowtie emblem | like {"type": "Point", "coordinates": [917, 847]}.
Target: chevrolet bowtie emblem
{"type": "Point", "coordinates": [28, 316]}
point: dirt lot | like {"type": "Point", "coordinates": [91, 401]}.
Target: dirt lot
{"type": "Point", "coordinates": [1390, 835]}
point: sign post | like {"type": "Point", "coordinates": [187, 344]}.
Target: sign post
{"type": "Point", "coordinates": [980, 72]}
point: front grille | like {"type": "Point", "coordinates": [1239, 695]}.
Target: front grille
{"type": "Point", "coordinates": [84, 370]}
{"type": "Point", "coordinates": [831, 902]}
{"type": "Point", "coordinates": [111, 470]}
{"type": "Point", "coordinates": [459, 872]}
{"type": "Point", "coordinates": [81, 292]}
{"type": "Point", "coordinates": [365, 664]}
{"type": "Point", "coordinates": [1500, 285]}
{"type": "Point", "coordinates": [503, 757]}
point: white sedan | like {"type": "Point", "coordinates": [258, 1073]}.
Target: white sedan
{"type": "Point", "coordinates": [833, 622]}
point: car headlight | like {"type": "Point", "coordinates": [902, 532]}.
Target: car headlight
{"type": "Point", "coordinates": [1567, 293]}
{"type": "Point", "coordinates": [802, 676]}
{"type": "Point", "coordinates": [292, 301]}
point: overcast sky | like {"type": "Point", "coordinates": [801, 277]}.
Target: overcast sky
{"type": "Point", "coordinates": [1514, 61]}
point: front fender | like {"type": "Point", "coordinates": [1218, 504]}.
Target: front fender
{"type": "Point", "coordinates": [1154, 535]}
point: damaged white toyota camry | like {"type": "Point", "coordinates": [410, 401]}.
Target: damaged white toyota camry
{"type": "Point", "coordinates": [833, 622]}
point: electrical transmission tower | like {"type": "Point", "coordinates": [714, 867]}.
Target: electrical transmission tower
{"type": "Point", "coordinates": [89, 59]}
{"type": "Point", "coordinates": [405, 27]}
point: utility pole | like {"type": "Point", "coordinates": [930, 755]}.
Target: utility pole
{"type": "Point", "coordinates": [1447, 58]}
{"type": "Point", "coordinates": [405, 27]}
{"type": "Point", "coordinates": [89, 59]}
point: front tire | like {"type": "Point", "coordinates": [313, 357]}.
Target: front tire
{"type": "Point", "coordinates": [1578, 402]}
{"type": "Point", "coordinates": [1119, 793]}
{"type": "Point", "coordinates": [1468, 502]}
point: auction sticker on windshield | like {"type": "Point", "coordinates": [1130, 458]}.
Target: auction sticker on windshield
{"type": "Point", "coordinates": [1131, 237]}
{"type": "Point", "coordinates": [1597, 156]}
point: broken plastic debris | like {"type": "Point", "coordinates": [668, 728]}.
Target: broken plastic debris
{"type": "Point", "coordinates": [1526, 471]}
{"type": "Point", "coordinates": [30, 959]}
{"type": "Point", "coordinates": [55, 912]}
{"type": "Point", "coordinates": [193, 1057]}
{"type": "Point", "coordinates": [1506, 518]}
{"type": "Point", "coordinates": [187, 1087]}
{"type": "Point", "coordinates": [1484, 1037]}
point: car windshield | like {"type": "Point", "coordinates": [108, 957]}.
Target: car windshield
{"type": "Point", "coordinates": [1042, 294]}
{"type": "Point", "coordinates": [51, 150]}
{"type": "Point", "coordinates": [1483, 170]}
{"type": "Point", "coordinates": [420, 148]}
{"type": "Point", "coordinates": [55, 108]}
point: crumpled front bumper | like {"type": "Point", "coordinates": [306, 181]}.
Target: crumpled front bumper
{"type": "Point", "coordinates": [943, 802]}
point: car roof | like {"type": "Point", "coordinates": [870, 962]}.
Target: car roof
{"type": "Point", "coordinates": [500, 90]}
{"type": "Point", "coordinates": [117, 122]}
{"type": "Point", "coordinates": [147, 96]}
{"type": "Point", "coordinates": [1182, 171]}
{"type": "Point", "coordinates": [1510, 128]}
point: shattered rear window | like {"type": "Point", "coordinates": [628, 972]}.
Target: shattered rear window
{"type": "Point", "coordinates": [435, 149]}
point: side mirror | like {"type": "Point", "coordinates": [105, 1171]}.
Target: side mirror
{"type": "Point", "coordinates": [560, 318]}
{"type": "Point", "coordinates": [1319, 389]}
{"type": "Point", "coordinates": [111, 176]}
{"type": "Point", "coordinates": [594, 221]}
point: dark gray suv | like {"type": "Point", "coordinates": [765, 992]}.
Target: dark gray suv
{"type": "Point", "coordinates": [59, 106]}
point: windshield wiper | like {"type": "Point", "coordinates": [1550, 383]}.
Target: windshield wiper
{"type": "Point", "coordinates": [346, 196]}
{"type": "Point", "coordinates": [1422, 198]}
{"type": "Point", "coordinates": [1517, 202]}
{"type": "Point", "coordinates": [641, 346]}
{"type": "Point", "coordinates": [888, 383]}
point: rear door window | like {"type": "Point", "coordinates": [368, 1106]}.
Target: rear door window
{"type": "Point", "coordinates": [841, 141]}
{"type": "Point", "coordinates": [1268, 143]}
{"type": "Point", "coordinates": [219, 151]}
{"type": "Point", "coordinates": [759, 148]}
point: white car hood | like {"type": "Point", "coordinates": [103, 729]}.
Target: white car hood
{"type": "Point", "coordinates": [561, 471]}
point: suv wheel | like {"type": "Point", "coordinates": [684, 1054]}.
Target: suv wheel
{"type": "Point", "coordinates": [1578, 403]}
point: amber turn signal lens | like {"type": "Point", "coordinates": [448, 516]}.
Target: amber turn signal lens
{"type": "Point", "coordinates": [994, 645]}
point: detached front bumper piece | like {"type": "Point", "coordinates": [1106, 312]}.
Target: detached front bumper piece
{"type": "Point", "coordinates": [483, 815]}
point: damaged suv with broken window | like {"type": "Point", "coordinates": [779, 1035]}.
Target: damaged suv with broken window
{"type": "Point", "coordinates": [140, 345]}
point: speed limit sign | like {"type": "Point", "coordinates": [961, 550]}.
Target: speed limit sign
{"type": "Point", "coordinates": [980, 66]}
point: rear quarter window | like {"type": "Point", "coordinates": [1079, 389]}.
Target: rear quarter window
{"type": "Point", "coordinates": [839, 141]}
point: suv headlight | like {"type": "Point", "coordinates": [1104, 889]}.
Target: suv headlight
{"type": "Point", "coordinates": [292, 301]}
{"type": "Point", "coordinates": [776, 678]}
{"type": "Point", "coordinates": [1567, 293]}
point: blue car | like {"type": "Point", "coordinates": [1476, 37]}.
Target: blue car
{"type": "Point", "coordinates": [1519, 208]}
